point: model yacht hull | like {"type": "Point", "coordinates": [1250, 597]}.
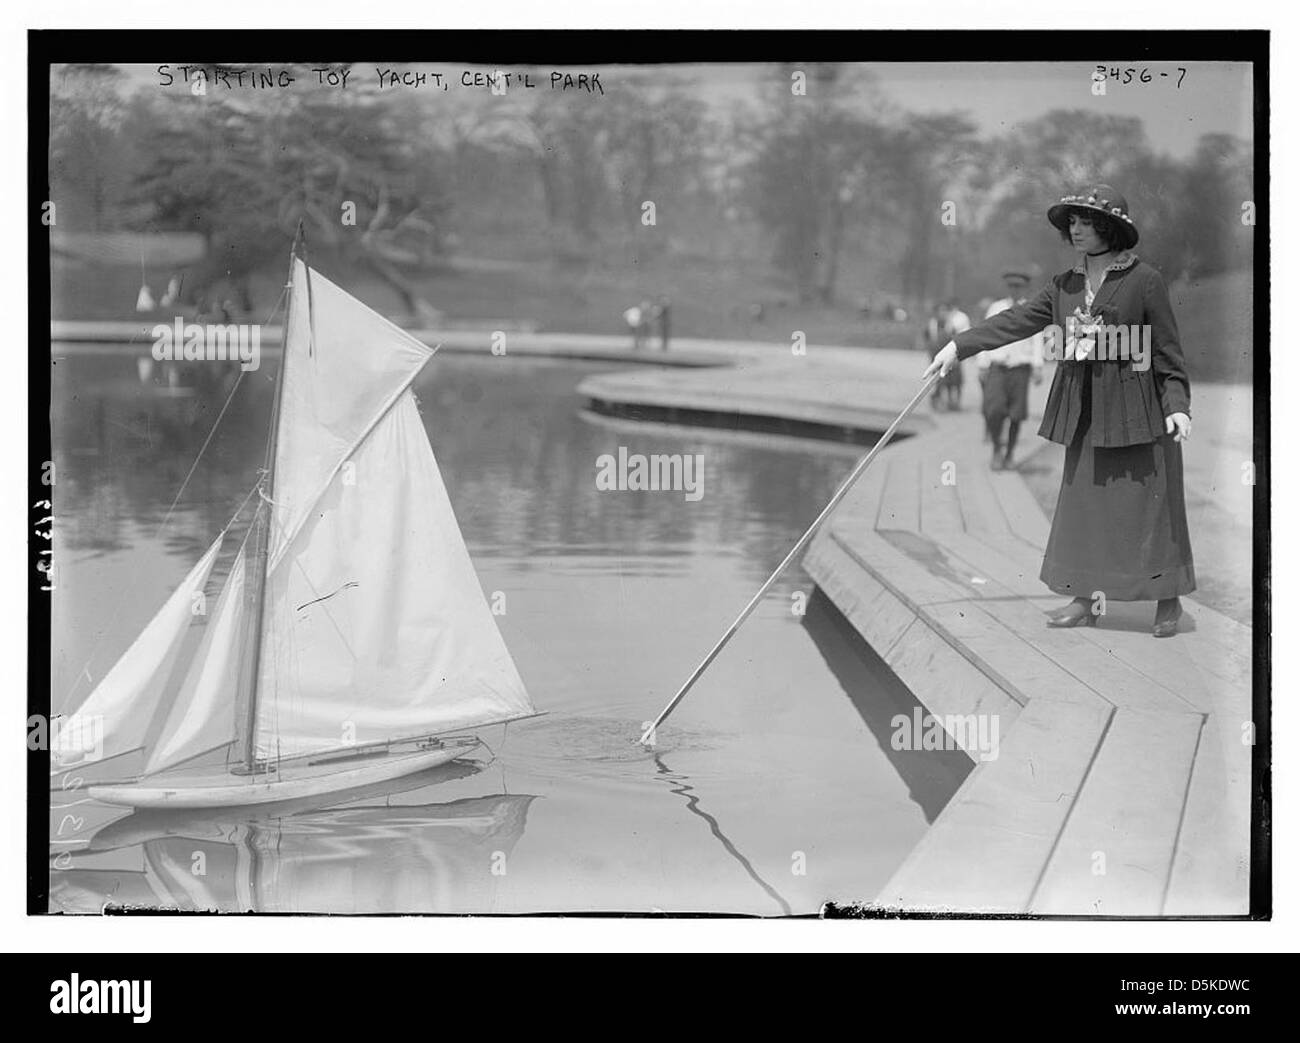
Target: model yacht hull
{"type": "Point", "coordinates": [219, 788]}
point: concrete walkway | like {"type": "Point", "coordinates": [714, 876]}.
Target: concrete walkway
{"type": "Point", "coordinates": [1121, 782]}
{"type": "Point", "coordinates": [826, 396]}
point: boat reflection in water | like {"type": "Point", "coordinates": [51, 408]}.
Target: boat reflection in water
{"type": "Point", "coordinates": [375, 854]}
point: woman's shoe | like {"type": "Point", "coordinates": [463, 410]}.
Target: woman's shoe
{"type": "Point", "coordinates": [1167, 617]}
{"type": "Point", "coordinates": [1076, 614]}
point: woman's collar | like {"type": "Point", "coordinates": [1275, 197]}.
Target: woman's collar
{"type": "Point", "coordinates": [1125, 259]}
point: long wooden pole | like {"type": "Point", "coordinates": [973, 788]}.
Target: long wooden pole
{"type": "Point", "coordinates": [795, 551]}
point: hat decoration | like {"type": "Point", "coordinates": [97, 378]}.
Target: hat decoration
{"type": "Point", "coordinates": [1104, 200]}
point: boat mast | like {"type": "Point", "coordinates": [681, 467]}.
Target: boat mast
{"type": "Point", "coordinates": [260, 545]}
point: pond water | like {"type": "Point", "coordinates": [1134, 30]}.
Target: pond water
{"type": "Point", "coordinates": [771, 790]}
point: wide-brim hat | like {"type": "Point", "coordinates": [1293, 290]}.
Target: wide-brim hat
{"type": "Point", "coordinates": [1104, 200]}
{"type": "Point", "coordinates": [1018, 271]}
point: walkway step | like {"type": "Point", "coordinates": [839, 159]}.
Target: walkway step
{"type": "Point", "coordinates": [986, 850]}
{"type": "Point", "coordinates": [1115, 855]}
{"type": "Point", "coordinates": [900, 504]}
{"type": "Point", "coordinates": [1211, 871]}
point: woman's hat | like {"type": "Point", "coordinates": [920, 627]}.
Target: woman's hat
{"type": "Point", "coordinates": [1104, 200]}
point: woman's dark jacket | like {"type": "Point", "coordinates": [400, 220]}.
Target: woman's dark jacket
{"type": "Point", "coordinates": [1129, 405]}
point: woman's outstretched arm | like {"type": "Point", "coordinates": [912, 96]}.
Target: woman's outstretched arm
{"type": "Point", "coordinates": [1006, 327]}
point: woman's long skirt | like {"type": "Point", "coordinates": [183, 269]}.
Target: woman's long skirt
{"type": "Point", "coordinates": [1121, 524]}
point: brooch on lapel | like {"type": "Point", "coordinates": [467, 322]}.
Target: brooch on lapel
{"type": "Point", "coordinates": [1081, 331]}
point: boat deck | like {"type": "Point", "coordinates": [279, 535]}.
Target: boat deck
{"type": "Point", "coordinates": [1121, 786]}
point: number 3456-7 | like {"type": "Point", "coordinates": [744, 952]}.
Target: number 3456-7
{"type": "Point", "coordinates": [1125, 76]}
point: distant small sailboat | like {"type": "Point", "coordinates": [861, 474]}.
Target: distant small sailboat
{"type": "Point", "coordinates": [351, 637]}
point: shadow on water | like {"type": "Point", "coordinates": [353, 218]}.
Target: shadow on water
{"type": "Point", "coordinates": [932, 776]}
{"type": "Point", "coordinates": [678, 785]}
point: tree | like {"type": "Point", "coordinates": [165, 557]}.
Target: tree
{"type": "Point", "coordinates": [819, 162]}
{"type": "Point", "coordinates": [88, 159]}
{"type": "Point", "coordinates": [239, 170]}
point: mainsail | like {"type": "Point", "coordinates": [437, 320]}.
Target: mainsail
{"type": "Point", "coordinates": [375, 626]}
{"type": "Point", "coordinates": [122, 707]}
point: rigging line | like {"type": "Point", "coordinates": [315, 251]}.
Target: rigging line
{"type": "Point", "coordinates": [213, 430]}
{"type": "Point", "coordinates": [244, 503]}
{"type": "Point", "coordinates": [202, 449]}
{"type": "Point", "coordinates": [85, 669]}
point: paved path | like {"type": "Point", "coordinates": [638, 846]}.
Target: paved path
{"type": "Point", "coordinates": [822, 396]}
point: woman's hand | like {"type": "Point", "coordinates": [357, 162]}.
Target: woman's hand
{"type": "Point", "coordinates": [944, 361]}
{"type": "Point", "coordinates": [1180, 423]}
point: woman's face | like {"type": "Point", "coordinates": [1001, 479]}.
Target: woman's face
{"type": "Point", "coordinates": [1083, 236]}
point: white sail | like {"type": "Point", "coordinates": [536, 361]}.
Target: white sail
{"type": "Point", "coordinates": [202, 716]}
{"type": "Point", "coordinates": [120, 710]}
{"type": "Point", "coordinates": [375, 624]}
{"type": "Point", "coordinates": [339, 378]}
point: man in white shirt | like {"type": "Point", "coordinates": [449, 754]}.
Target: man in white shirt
{"type": "Point", "coordinates": [1005, 373]}
{"type": "Point", "coordinates": [953, 321]}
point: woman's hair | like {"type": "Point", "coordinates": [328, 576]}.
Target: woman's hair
{"type": "Point", "coordinates": [1108, 228]}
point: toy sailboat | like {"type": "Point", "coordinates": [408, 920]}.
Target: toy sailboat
{"type": "Point", "coordinates": [351, 639]}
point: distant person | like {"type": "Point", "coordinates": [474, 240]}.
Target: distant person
{"type": "Point", "coordinates": [1005, 374]}
{"type": "Point", "coordinates": [1120, 526]}
{"type": "Point", "coordinates": [954, 321]}
{"type": "Point", "coordinates": [635, 319]}
{"type": "Point", "coordinates": [663, 318]}
{"type": "Point", "coordinates": [936, 336]}
{"type": "Point", "coordinates": [173, 293]}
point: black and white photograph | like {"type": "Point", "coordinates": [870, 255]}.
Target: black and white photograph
{"type": "Point", "coordinates": [649, 474]}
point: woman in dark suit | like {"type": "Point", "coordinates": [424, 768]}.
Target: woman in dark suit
{"type": "Point", "coordinates": [1120, 528]}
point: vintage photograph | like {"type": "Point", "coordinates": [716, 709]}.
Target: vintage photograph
{"type": "Point", "coordinates": [773, 485]}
